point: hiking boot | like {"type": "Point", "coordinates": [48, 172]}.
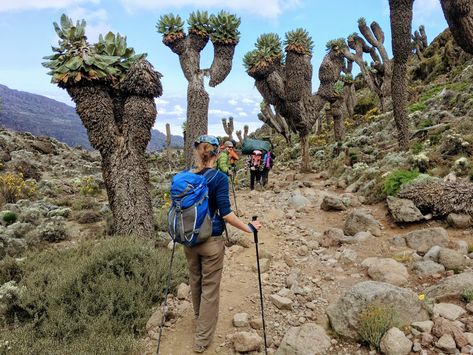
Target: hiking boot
{"type": "Point", "coordinates": [199, 349]}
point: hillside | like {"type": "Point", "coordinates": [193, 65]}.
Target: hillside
{"type": "Point", "coordinates": [42, 116]}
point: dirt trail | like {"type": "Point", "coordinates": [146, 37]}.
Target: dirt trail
{"type": "Point", "coordinates": [281, 239]}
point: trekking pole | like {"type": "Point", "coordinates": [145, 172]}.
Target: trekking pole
{"type": "Point", "coordinates": [234, 194]}
{"type": "Point", "coordinates": [255, 234]}
{"type": "Point", "coordinates": [168, 286]}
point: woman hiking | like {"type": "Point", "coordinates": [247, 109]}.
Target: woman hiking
{"type": "Point", "coordinates": [205, 261]}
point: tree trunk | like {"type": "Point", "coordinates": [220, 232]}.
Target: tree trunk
{"type": "Point", "coordinates": [459, 16]}
{"type": "Point", "coordinates": [338, 126]}
{"type": "Point", "coordinates": [127, 182]}
{"type": "Point", "coordinates": [197, 116]}
{"type": "Point", "coordinates": [401, 21]}
{"type": "Point", "coordinates": [305, 164]}
{"type": "Point", "coordinates": [124, 167]}
{"type": "Point", "coordinates": [349, 95]}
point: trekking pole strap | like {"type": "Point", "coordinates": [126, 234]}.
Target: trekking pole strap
{"type": "Point", "coordinates": [166, 292]}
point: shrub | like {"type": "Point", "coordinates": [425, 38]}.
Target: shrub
{"type": "Point", "coordinates": [396, 179]}
{"type": "Point", "coordinates": [9, 217]}
{"type": "Point", "coordinates": [375, 321]}
{"type": "Point", "coordinates": [426, 123]}
{"type": "Point", "coordinates": [468, 294]}
{"type": "Point", "coordinates": [364, 105]}
{"type": "Point", "coordinates": [418, 106]}
{"type": "Point", "coordinates": [161, 219]}
{"type": "Point", "coordinates": [417, 147]}
{"type": "Point", "coordinates": [10, 270]}
{"type": "Point", "coordinates": [14, 187]}
{"type": "Point", "coordinates": [105, 288]}
{"type": "Point", "coordinates": [89, 186]}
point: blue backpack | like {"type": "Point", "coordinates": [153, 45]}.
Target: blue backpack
{"type": "Point", "coordinates": [189, 219]}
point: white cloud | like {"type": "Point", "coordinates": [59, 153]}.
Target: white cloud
{"type": "Point", "coordinates": [247, 101]}
{"type": "Point", "coordinates": [219, 112]}
{"type": "Point", "coordinates": [233, 102]}
{"type": "Point", "coordinates": [239, 109]}
{"type": "Point", "coordinates": [242, 114]}
{"type": "Point", "coordinates": [161, 102]}
{"type": "Point", "coordinates": [25, 5]}
{"type": "Point", "coordinates": [263, 8]}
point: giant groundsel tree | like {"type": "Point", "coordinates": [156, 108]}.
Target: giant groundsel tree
{"type": "Point", "coordinates": [114, 91]}
{"type": "Point", "coordinates": [222, 30]}
{"type": "Point", "coordinates": [285, 82]}
{"type": "Point", "coordinates": [459, 16]}
{"type": "Point", "coordinates": [378, 74]}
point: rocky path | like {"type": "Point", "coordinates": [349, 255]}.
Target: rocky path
{"type": "Point", "coordinates": [308, 263]}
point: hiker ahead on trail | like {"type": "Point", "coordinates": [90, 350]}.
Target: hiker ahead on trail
{"type": "Point", "coordinates": [227, 159]}
{"type": "Point", "coordinates": [205, 260]}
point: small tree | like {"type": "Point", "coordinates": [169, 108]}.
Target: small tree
{"type": "Point", "coordinates": [222, 30]}
{"type": "Point", "coordinates": [401, 20]}
{"type": "Point", "coordinates": [228, 127]}
{"type": "Point", "coordinates": [114, 92]}
{"type": "Point", "coordinates": [459, 16]}
{"type": "Point", "coordinates": [168, 141]}
{"type": "Point", "coordinates": [419, 42]}
{"type": "Point", "coordinates": [378, 75]}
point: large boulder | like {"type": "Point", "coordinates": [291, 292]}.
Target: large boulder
{"type": "Point", "coordinates": [423, 239]}
{"type": "Point", "coordinates": [451, 259]}
{"type": "Point", "coordinates": [403, 210]}
{"type": "Point", "coordinates": [459, 220]}
{"type": "Point", "coordinates": [388, 270]}
{"type": "Point", "coordinates": [308, 339]}
{"type": "Point", "coordinates": [362, 221]}
{"type": "Point", "coordinates": [344, 313]}
{"type": "Point", "coordinates": [452, 286]}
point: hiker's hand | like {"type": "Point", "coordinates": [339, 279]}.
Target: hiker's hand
{"type": "Point", "coordinates": [256, 224]}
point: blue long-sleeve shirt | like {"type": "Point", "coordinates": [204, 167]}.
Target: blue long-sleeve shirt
{"type": "Point", "coordinates": [219, 200]}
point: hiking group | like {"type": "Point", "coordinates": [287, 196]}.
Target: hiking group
{"type": "Point", "coordinates": [197, 219]}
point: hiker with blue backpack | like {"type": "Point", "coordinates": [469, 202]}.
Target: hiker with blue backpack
{"type": "Point", "coordinates": [200, 208]}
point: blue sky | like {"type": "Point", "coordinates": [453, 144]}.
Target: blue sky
{"type": "Point", "coordinates": [27, 36]}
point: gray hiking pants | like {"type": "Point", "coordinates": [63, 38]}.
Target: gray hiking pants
{"type": "Point", "coordinates": [205, 262]}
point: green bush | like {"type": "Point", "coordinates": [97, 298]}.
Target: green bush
{"type": "Point", "coordinates": [107, 287]}
{"type": "Point", "coordinates": [364, 104]}
{"type": "Point", "coordinates": [417, 147]}
{"type": "Point", "coordinates": [418, 106]}
{"type": "Point", "coordinates": [426, 123]}
{"type": "Point", "coordinates": [375, 321]}
{"type": "Point", "coordinates": [396, 179]}
{"type": "Point", "coordinates": [9, 217]}
{"type": "Point", "coordinates": [468, 294]}
{"type": "Point", "coordinates": [10, 270]}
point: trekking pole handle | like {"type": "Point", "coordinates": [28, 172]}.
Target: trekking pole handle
{"type": "Point", "coordinates": [254, 230]}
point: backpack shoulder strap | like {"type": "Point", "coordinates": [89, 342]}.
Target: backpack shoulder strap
{"type": "Point", "coordinates": [210, 174]}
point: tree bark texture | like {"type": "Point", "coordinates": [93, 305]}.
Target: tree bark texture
{"type": "Point", "coordinates": [401, 22]}
{"type": "Point", "coordinates": [459, 16]}
{"type": "Point", "coordinates": [118, 126]}
{"type": "Point", "coordinates": [197, 116]}
{"type": "Point", "coordinates": [305, 164]}
{"type": "Point", "coordinates": [338, 125]}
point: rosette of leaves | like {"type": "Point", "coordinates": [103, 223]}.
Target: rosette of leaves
{"type": "Point", "coordinates": [299, 41]}
{"type": "Point", "coordinates": [336, 44]}
{"type": "Point", "coordinates": [199, 23]}
{"type": "Point", "coordinates": [76, 61]}
{"type": "Point", "coordinates": [171, 27]}
{"type": "Point", "coordinates": [225, 28]}
{"type": "Point", "coordinates": [270, 47]}
{"type": "Point", "coordinates": [250, 59]}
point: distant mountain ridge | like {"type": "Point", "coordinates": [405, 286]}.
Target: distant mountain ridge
{"type": "Point", "coordinates": [26, 112]}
